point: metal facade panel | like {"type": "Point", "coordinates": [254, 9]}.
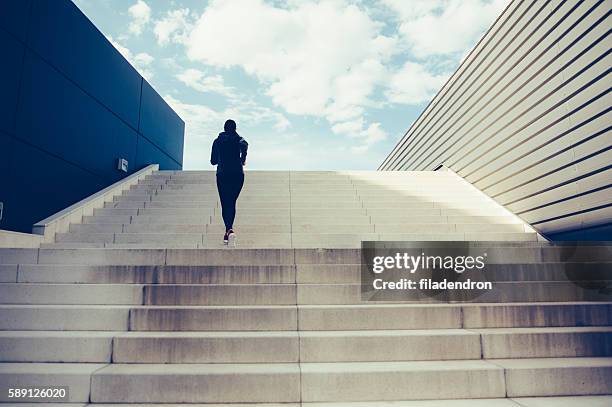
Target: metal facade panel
{"type": "Point", "coordinates": [526, 116]}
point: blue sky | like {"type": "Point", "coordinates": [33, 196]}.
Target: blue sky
{"type": "Point", "coordinates": [313, 85]}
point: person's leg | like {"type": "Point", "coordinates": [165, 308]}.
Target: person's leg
{"type": "Point", "coordinates": [236, 186]}
{"type": "Point", "coordinates": [224, 196]}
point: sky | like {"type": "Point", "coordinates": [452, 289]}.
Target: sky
{"type": "Point", "coordinates": [313, 85]}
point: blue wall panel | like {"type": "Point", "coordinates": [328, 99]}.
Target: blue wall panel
{"type": "Point", "coordinates": [70, 105]}
{"type": "Point", "coordinates": [68, 123]}
{"type": "Point", "coordinates": [148, 153]}
{"type": "Point", "coordinates": [83, 54]}
{"type": "Point", "coordinates": [6, 150]}
{"type": "Point", "coordinates": [157, 123]}
{"type": "Point", "coordinates": [14, 17]}
{"type": "Point", "coordinates": [37, 177]}
{"type": "Point", "coordinates": [10, 73]}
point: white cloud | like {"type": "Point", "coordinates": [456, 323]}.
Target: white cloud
{"type": "Point", "coordinates": [365, 137]}
{"type": "Point", "coordinates": [174, 27]}
{"type": "Point", "coordinates": [373, 134]}
{"type": "Point", "coordinates": [199, 81]}
{"type": "Point", "coordinates": [140, 14]}
{"type": "Point", "coordinates": [413, 84]}
{"type": "Point", "coordinates": [351, 128]}
{"type": "Point", "coordinates": [141, 61]}
{"type": "Point", "coordinates": [322, 59]}
{"type": "Point", "coordinates": [442, 27]}
{"type": "Point", "coordinates": [203, 123]}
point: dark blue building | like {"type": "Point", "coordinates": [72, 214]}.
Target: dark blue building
{"type": "Point", "coordinates": [70, 107]}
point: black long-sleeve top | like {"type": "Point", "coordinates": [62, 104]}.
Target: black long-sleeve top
{"type": "Point", "coordinates": [229, 152]}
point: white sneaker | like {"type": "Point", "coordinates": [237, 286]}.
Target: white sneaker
{"type": "Point", "coordinates": [231, 238]}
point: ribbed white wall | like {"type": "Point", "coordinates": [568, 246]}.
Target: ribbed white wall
{"type": "Point", "coordinates": [526, 117]}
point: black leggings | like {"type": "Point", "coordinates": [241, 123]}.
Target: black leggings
{"type": "Point", "coordinates": [229, 186]}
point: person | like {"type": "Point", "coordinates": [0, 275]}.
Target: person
{"type": "Point", "coordinates": [229, 152]}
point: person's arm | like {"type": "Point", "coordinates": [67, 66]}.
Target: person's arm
{"type": "Point", "coordinates": [243, 150]}
{"type": "Point", "coordinates": [214, 155]}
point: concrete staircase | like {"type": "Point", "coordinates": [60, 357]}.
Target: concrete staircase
{"type": "Point", "coordinates": [298, 209]}
{"type": "Point", "coordinates": [141, 303]}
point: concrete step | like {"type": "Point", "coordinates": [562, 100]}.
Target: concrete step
{"type": "Point", "coordinates": [443, 210]}
{"type": "Point", "coordinates": [110, 224]}
{"type": "Point", "coordinates": [557, 376]}
{"type": "Point", "coordinates": [383, 215]}
{"type": "Point", "coordinates": [314, 346]}
{"type": "Point", "coordinates": [461, 236]}
{"type": "Point", "coordinates": [18, 255]}
{"type": "Point", "coordinates": [387, 381]}
{"type": "Point", "coordinates": [124, 204]}
{"type": "Point", "coordinates": [214, 318]}
{"type": "Point", "coordinates": [83, 228]}
{"type": "Point", "coordinates": [436, 316]}
{"type": "Point", "coordinates": [449, 228]}
{"type": "Point", "coordinates": [241, 257]}
{"type": "Point", "coordinates": [429, 380]}
{"type": "Point", "coordinates": [203, 198]}
{"type": "Point", "coordinates": [163, 238]}
{"type": "Point", "coordinates": [299, 212]}
{"type": "Point", "coordinates": [320, 382]}
{"type": "Point", "coordinates": [245, 203]}
{"type": "Point", "coordinates": [112, 294]}
{"type": "Point", "coordinates": [438, 227]}
{"type": "Point", "coordinates": [75, 376]}
{"type": "Point", "coordinates": [136, 198]}
{"type": "Point", "coordinates": [307, 293]}
{"type": "Point", "coordinates": [106, 220]}
{"type": "Point", "coordinates": [107, 245]}
{"type": "Point", "coordinates": [388, 216]}
{"type": "Point", "coordinates": [8, 273]}
{"type": "Point", "coordinates": [313, 240]}
{"type": "Point", "coordinates": [199, 210]}
{"type": "Point", "coordinates": [550, 271]}
{"type": "Point", "coordinates": [437, 203]}
{"type": "Point", "coordinates": [545, 342]}
{"type": "Point", "coordinates": [565, 401]}
{"type": "Point", "coordinates": [102, 256]}
{"type": "Point", "coordinates": [358, 346]}
{"type": "Point", "coordinates": [452, 344]}
{"type": "Point", "coordinates": [527, 253]}
{"type": "Point", "coordinates": [57, 346]}
{"type": "Point", "coordinates": [165, 228]}
{"type": "Point", "coordinates": [116, 212]}
{"type": "Point", "coordinates": [476, 218]}
{"type": "Point", "coordinates": [498, 253]}
{"type": "Point", "coordinates": [212, 188]}
{"type": "Point", "coordinates": [144, 257]}
{"type": "Point", "coordinates": [297, 220]}
{"type": "Point", "coordinates": [356, 317]}
{"type": "Point", "coordinates": [536, 315]}
{"type": "Point", "coordinates": [234, 294]}
{"type": "Point", "coordinates": [64, 317]}
{"type": "Point", "coordinates": [246, 274]}
{"type": "Point", "coordinates": [502, 292]}
{"type": "Point", "coordinates": [389, 345]}
{"type": "Point", "coordinates": [196, 383]}
{"type": "Point", "coordinates": [206, 347]}
{"type": "Point", "coordinates": [74, 245]}
{"type": "Point", "coordinates": [85, 237]}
